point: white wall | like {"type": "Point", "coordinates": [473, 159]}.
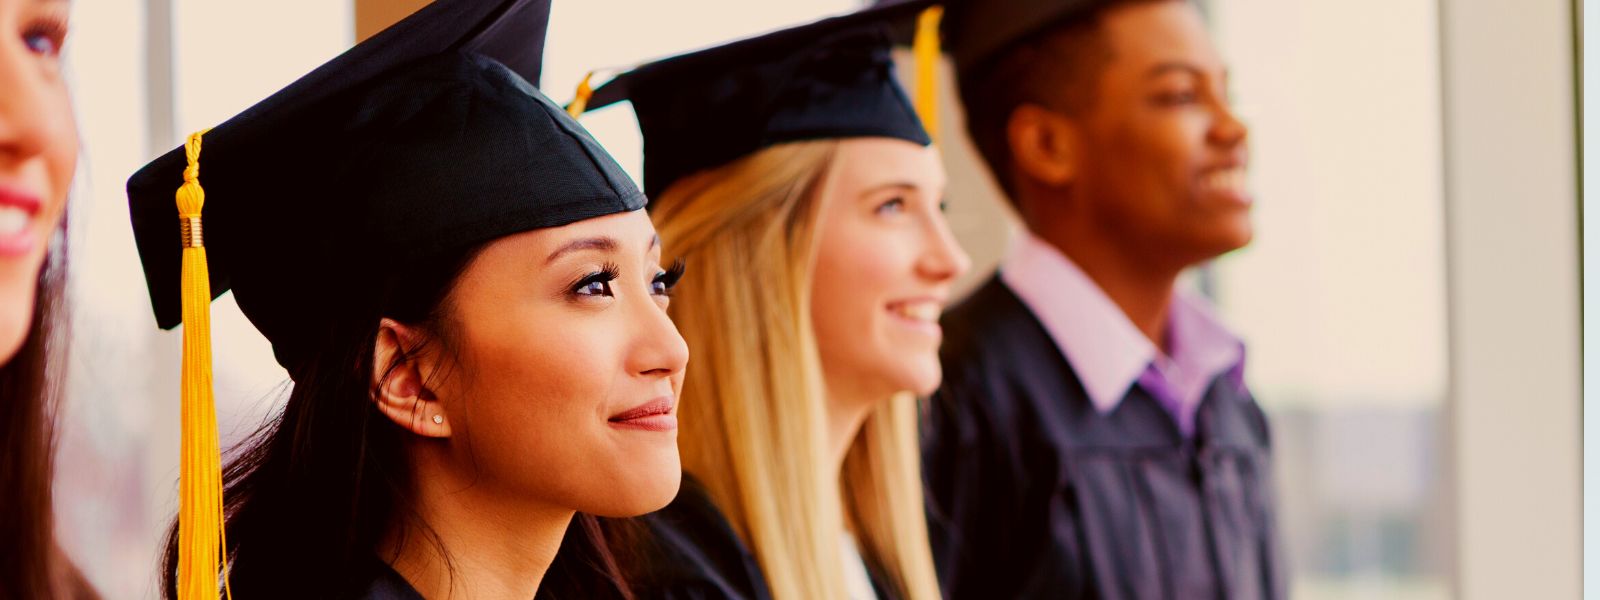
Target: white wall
{"type": "Point", "coordinates": [1512, 207]}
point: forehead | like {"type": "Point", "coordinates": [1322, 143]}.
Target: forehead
{"type": "Point", "coordinates": [1145, 34]}
{"type": "Point", "coordinates": [865, 162]}
{"type": "Point", "coordinates": [629, 233]}
{"type": "Point", "coordinates": [19, 4]}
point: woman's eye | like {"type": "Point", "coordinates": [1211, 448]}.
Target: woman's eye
{"type": "Point", "coordinates": [595, 288]}
{"type": "Point", "coordinates": [45, 36]}
{"type": "Point", "coordinates": [893, 206]}
{"type": "Point", "coordinates": [41, 44]}
{"type": "Point", "coordinates": [1181, 98]}
{"type": "Point", "coordinates": [664, 281]}
{"type": "Point", "coordinates": [596, 284]}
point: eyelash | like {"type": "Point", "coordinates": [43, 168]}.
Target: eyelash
{"type": "Point", "coordinates": [900, 203]}
{"type": "Point", "coordinates": [51, 28]}
{"type": "Point", "coordinates": [603, 278]}
{"type": "Point", "coordinates": [1177, 98]}
{"type": "Point", "coordinates": [661, 285]}
{"type": "Point", "coordinates": [668, 279]}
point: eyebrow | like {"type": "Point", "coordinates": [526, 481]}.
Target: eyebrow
{"type": "Point", "coordinates": [1182, 67]}
{"type": "Point", "coordinates": [594, 243]}
{"type": "Point", "coordinates": [1168, 67]}
{"type": "Point", "coordinates": [896, 185]}
{"type": "Point", "coordinates": [604, 244]}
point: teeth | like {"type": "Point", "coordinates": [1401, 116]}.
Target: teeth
{"type": "Point", "coordinates": [1228, 180]}
{"type": "Point", "coordinates": [13, 220]}
{"type": "Point", "coordinates": [918, 311]}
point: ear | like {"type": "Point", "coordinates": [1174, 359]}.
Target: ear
{"type": "Point", "coordinates": [1045, 145]}
{"type": "Point", "coordinates": [397, 383]}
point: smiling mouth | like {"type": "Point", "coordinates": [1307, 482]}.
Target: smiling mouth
{"type": "Point", "coordinates": [922, 311]}
{"type": "Point", "coordinates": [17, 213]}
{"type": "Point", "coordinates": [1230, 181]}
{"type": "Point", "coordinates": [919, 315]}
{"type": "Point", "coordinates": [655, 415]}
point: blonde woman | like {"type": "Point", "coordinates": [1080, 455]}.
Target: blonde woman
{"type": "Point", "coordinates": [793, 172]}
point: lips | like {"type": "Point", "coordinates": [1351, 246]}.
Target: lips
{"type": "Point", "coordinates": [655, 415]}
{"type": "Point", "coordinates": [1229, 182]}
{"type": "Point", "coordinates": [919, 315]}
{"type": "Point", "coordinates": [17, 212]}
{"type": "Point", "coordinates": [923, 310]}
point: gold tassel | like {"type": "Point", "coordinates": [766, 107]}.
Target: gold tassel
{"type": "Point", "coordinates": [201, 544]}
{"type": "Point", "coordinates": [580, 100]}
{"type": "Point", "coordinates": [926, 48]}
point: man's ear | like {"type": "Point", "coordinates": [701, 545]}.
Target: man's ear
{"type": "Point", "coordinates": [398, 387]}
{"type": "Point", "coordinates": [1046, 146]}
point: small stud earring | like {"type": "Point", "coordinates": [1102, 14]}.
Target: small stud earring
{"type": "Point", "coordinates": [438, 419]}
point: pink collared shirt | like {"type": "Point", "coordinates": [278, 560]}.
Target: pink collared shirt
{"type": "Point", "coordinates": [1109, 354]}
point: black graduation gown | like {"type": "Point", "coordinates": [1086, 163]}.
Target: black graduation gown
{"type": "Point", "coordinates": [388, 585]}
{"type": "Point", "coordinates": [1034, 494]}
{"type": "Point", "coordinates": [692, 553]}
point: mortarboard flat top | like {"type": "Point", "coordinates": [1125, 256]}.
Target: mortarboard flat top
{"type": "Point", "coordinates": [832, 78]}
{"type": "Point", "coordinates": [426, 138]}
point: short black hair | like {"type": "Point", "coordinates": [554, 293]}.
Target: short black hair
{"type": "Point", "coordinates": [1055, 68]}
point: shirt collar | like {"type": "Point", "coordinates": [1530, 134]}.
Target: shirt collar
{"type": "Point", "coordinates": [1107, 352]}
{"type": "Point", "coordinates": [1104, 348]}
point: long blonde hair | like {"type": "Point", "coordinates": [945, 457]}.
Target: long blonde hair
{"type": "Point", "coordinates": [753, 411]}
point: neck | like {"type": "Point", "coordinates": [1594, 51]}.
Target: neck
{"type": "Point", "coordinates": [1139, 285]}
{"type": "Point", "coordinates": [848, 408]}
{"type": "Point", "coordinates": [465, 541]}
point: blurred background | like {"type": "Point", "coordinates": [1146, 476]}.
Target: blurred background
{"type": "Point", "coordinates": [1411, 301]}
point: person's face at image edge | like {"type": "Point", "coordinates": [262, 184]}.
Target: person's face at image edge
{"type": "Point", "coordinates": [38, 153]}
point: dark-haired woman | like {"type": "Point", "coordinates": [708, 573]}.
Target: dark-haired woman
{"type": "Point", "coordinates": [466, 292]}
{"type": "Point", "coordinates": [38, 153]}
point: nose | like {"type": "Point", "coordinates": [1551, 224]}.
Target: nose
{"type": "Point", "coordinates": [658, 349]}
{"type": "Point", "coordinates": [943, 259]}
{"type": "Point", "coordinates": [30, 113]}
{"type": "Point", "coordinates": [1227, 130]}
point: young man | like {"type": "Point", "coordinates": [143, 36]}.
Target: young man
{"type": "Point", "coordinates": [1094, 438]}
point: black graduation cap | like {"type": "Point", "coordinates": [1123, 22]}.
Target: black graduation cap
{"type": "Point", "coordinates": [832, 78]}
{"type": "Point", "coordinates": [976, 31]}
{"type": "Point", "coordinates": [425, 138]}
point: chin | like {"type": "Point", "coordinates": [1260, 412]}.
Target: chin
{"type": "Point", "coordinates": [1226, 238]}
{"type": "Point", "coordinates": [648, 486]}
{"type": "Point", "coordinates": [920, 376]}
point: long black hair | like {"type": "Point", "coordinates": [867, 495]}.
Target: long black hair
{"type": "Point", "coordinates": [311, 495]}
{"type": "Point", "coordinates": [30, 386]}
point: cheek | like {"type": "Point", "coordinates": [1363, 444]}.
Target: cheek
{"type": "Point", "coordinates": [856, 335]}
{"type": "Point", "coordinates": [541, 363]}
{"type": "Point", "coordinates": [854, 275]}
{"type": "Point", "coordinates": [540, 389]}
{"type": "Point", "coordinates": [62, 164]}
{"type": "Point", "coordinates": [1149, 166]}
{"type": "Point", "coordinates": [530, 389]}
{"type": "Point", "coordinates": [59, 160]}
